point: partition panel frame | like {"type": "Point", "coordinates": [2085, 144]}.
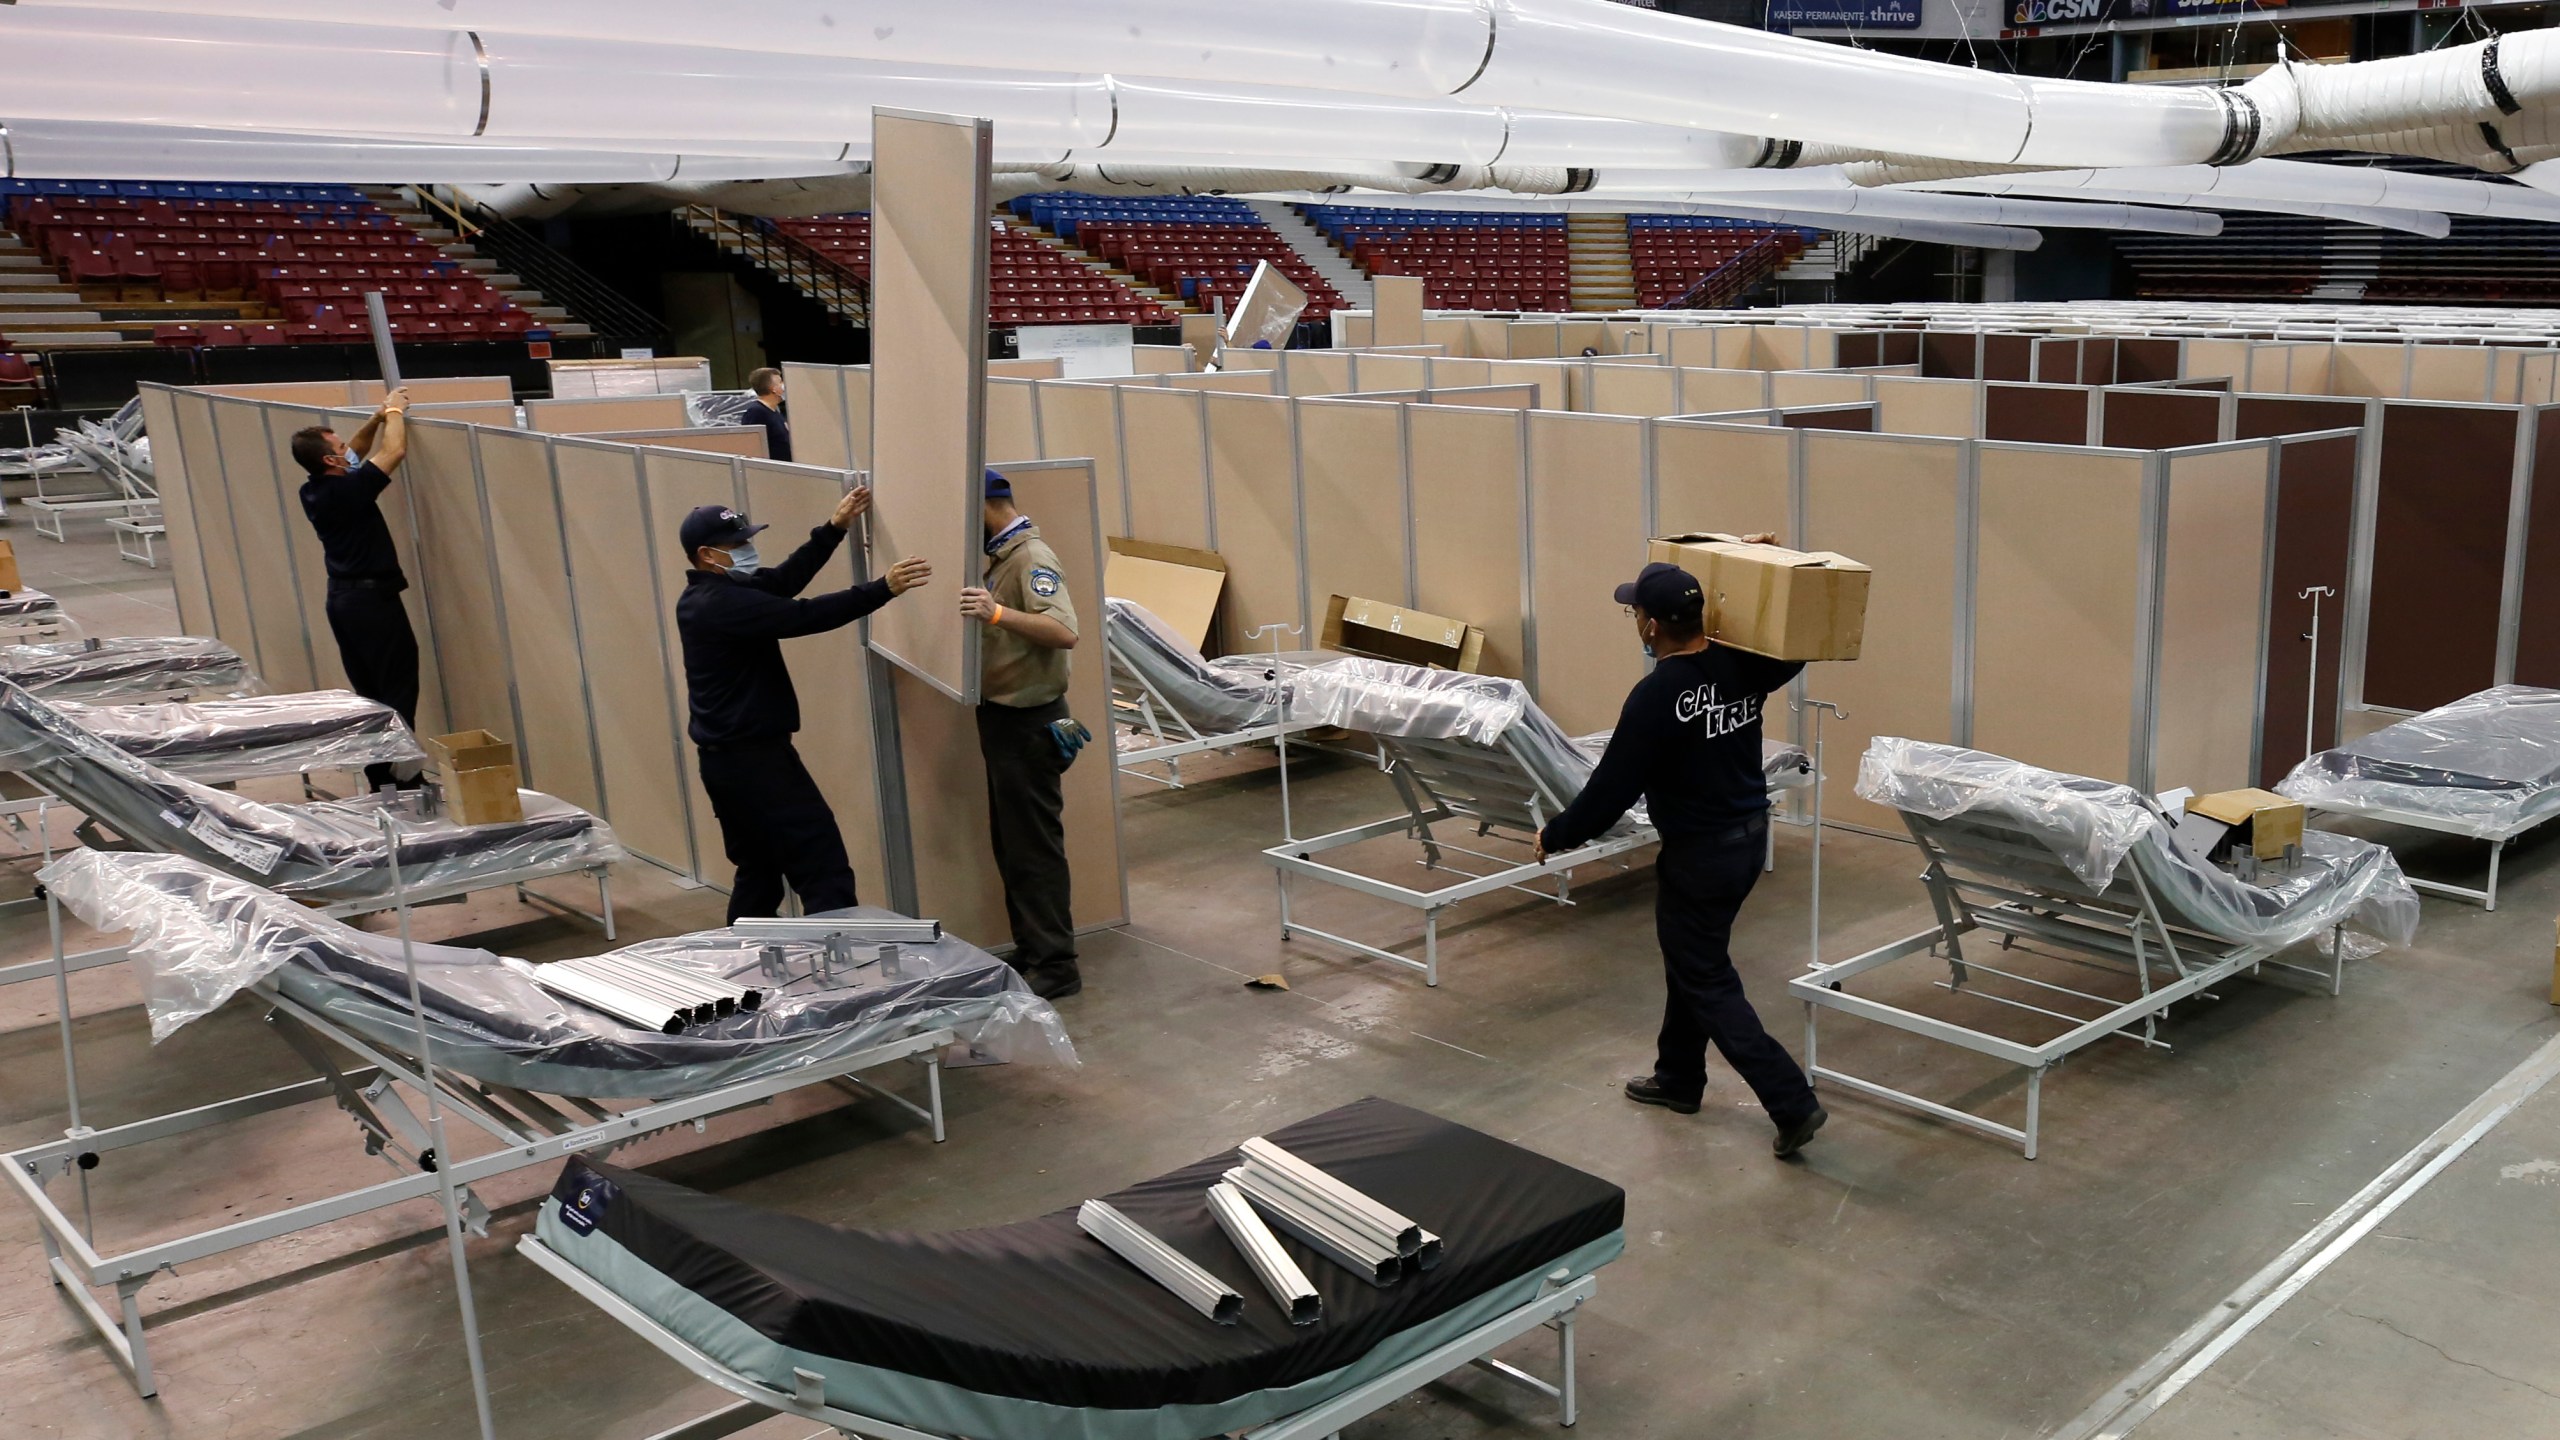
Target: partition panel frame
{"type": "Point", "coordinates": [2519, 534]}
{"type": "Point", "coordinates": [293, 563]}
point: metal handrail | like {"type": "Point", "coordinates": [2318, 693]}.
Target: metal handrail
{"type": "Point", "coordinates": [1719, 286]}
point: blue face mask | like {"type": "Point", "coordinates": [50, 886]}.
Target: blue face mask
{"type": "Point", "coordinates": [743, 559]}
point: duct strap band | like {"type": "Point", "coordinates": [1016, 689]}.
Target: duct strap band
{"type": "Point", "coordinates": [2241, 127]}
{"type": "Point", "coordinates": [2497, 142]}
{"type": "Point", "coordinates": [1778, 154]}
{"type": "Point", "coordinates": [2495, 83]}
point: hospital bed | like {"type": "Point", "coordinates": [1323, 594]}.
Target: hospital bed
{"type": "Point", "coordinates": [30, 617]}
{"type": "Point", "coordinates": [217, 741]}
{"type": "Point", "coordinates": [1175, 702]}
{"type": "Point", "coordinates": [2486, 767]}
{"type": "Point", "coordinates": [536, 1076]}
{"type": "Point", "coordinates": [1033, 1331]}
{"type": "Point", "coordinates": [2064, 874]}
{"type": "Point", "coordinates": [1464, 750]}
{"type": "Point", "coordinates": [118, 453]}
{"type": "Point", "coordinates": [127, 667]}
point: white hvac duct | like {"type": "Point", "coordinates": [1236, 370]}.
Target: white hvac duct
{"type": "Point", "coordinates": [1969, 209]}
{"type": "Point", "coordinates": [1938, 232]}
{"type": "Point", "coordinates": [2432, 224]}
{"type": "Point", "coordinates": [80, 150]}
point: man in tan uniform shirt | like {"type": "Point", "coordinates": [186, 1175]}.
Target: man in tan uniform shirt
{"type": "Point", "coordinates": [1022, 693]}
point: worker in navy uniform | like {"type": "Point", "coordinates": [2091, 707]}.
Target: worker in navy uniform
{"type": "Point", "coordinates": [766, 410]}
{"type": "Point", "coordinates": [376, 647]}
{"type": "Point", "coordinates": [732, 618]}
{"type": "Point", "coordinates": [1027, 737]}
{"type": "Point", "coordinates": [1688, 742]}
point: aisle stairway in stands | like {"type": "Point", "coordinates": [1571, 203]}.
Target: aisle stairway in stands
{"type": "Point", "coordinates": [1603, 271]}
{"type": "Point", "coordinates": [1287, 222]}
{"type": "Point", "coordinates": [1468, 259]}
{"type": "Point", "coordinates": [1201, 249]}
{"type": "Point", "coordinates": [825, 260]}
{"type": "Point", "coordinates": [403, 205]}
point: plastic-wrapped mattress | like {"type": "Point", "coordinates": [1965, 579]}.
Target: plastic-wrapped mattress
{"type": "Point", "coordinates": [123, 665]}
{"type": "Point", "coordinates": [1033, 1331]}
{"type": "Point", "coordinates": [1215, 699]}
{"type": "Point", "coordinates": [329, 853]}
{"type": "Point", "coordinates": [2094, 826]}
{"type": "Point", "coordinates": [28, 605]}
{"type": "Point", "coordinates": [200, 936]}
{"type": "Point", "coordinates": [2487, 765]}
{"type": "Point", "coordinates": [218, 740]}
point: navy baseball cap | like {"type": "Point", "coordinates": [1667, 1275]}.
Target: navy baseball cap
{"type": "Point", "coordinates": [713, 525]}
{"type": "Point", "coordinates": [998, 487]}
{"type": "Point", "coordinates": [1666, 592]}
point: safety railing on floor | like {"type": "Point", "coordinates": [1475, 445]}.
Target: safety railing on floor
{"type": "Point", "coordinates": [841, 291]}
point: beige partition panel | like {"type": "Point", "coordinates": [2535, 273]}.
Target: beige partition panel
{"type": "Point", "coordinates": [1395, 310]}
{"type": "Point", "coordinates": [599, 417]}
{"type": "Point", "coordinates": [1451, 331]}
{"type": "Point", "coordinates": [1634, 390]}
{"type": "Point", "coordinates": [1080, 420]}
{"type": "Point", "coordinates": [1452, 374]}
{"type": "Point", "coordinates": [1253, 483]}
{"type": "Point", "coordinates": [1467, 480]}
{"type": "Point", "coordinates": [1352, 329]}
{"type": "Point", "coordinates": [1352, 487]}
{"type": "Point", "coordinates": [1050, 368]}
{"type": "Point", "coordinates": [1711, 392]}
{"type": "Point", "coordinates": [2537, 379]}
{"type": "Point", "coordinates": [1586, 535]}
{"type": "Point", "coordinates": [829, 673]}
{"type": "Point", "coordinates": [956, 879]}
{"type": "Point", "coordinates": [1391, 372]}
{"type": "Point", "coordinates": [1533, 339]}
{"type": "Point", "coordinates": [258, 498]}
{"type": "Point", "coordinates": [438, 389]}
{"type": "Point", "coordinates": [308, 565]}
{"type": "Point", "coordinates": [1316, 372]}
{"type": "Point", "coordinates": [554, 743]}
{"type": "Point", "coordinates": [1484, 397]}
{"type": "Point", "coordinates": [929, 377]}
{"type": "Point", "coordinates": [452, 578]}
{"type": "Point", "coordinates": [2213, 586]}
{"type": "Point", "coordinates": [1554, 380]}
{"type": "Point", "coordinates": [2452, 372]}
{"type": "Point", "coordinates": [818, 434]}
{"type": "Point", "coordinates": [1234, 382]}
{"type": "Point", "coordinates": [500, 414]}
{"type": "Point", "coordinates": [320, 394]}
{"type": "Point", "coordinates": [2206, 356]}
{"type": "Point", "coordinates": [177, 510]}
{"type": "Point", "coordinates": [1732, 478]}
{"type": "Point", "coordinates": [1783, 347]}
{"type": "Point", "coordinates": [1013, 426]}
{"type": "Point", "coordinates": [746, 440]}
{"type": "Point", "coordinates": [616, 577]}
{"type": "Point", "coordinates": [2055, 611]}
{"type": "Point", "coordinates": [1690, 347]}
{"type": "Point", "coordinates": [1949, 408]}
{"type": "Point", "coordinates": [209, 496]}
{"type": "Point", "coordinates": [1895, 503]}
{"type": "Point", "coordinates": [1160, 359]}
{"type": "Point", "coordinates": [1575, 336]}
{"type": "Point", "coordinates": [677, 484]}
{"type": "Point", "coordinates": [1165, 438]}
{"type": "Point", "coordinates": [2368, 370]}
{"type": "Point", "coordinates": [1811, 387]}
{"type": "Point", "coordinates": [1487, 339]}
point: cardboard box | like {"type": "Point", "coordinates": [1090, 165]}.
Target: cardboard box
{"type": "Point", "coordinates": [1390, 632]}
{"type": "Point", "coordinates": [10, 584]}
{"type": "Point", "coordinates": [1177, 584]}
{"type": "Point", "coordinates": [477, 772]}
{"type": "Point", "coordinates": [1768, 599]}
{"type": "Point", "coordinates": [2266, 822]}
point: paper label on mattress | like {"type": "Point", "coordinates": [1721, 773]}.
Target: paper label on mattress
{"type": "Point", "coordinates": [258, 855]}
{"type": "Point", "coordinates": [581, 1211]}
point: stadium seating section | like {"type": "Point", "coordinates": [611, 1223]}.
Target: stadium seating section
{"type": "Point", "coordinates": [1029, 283]}
{"type": "Point", "coordinates": [1468, 259]}
{"type": "Point", "coordinates": [1675, 254]}
{"type": "Point", "coordinates": [295, 261]}
{"type": "Point", "coordinates": [1202, 248]}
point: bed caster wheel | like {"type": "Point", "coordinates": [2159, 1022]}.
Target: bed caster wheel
{"type": "Point", "coordinates": [1835, 987]}
{"type": "Point", "coordinates": [88, 1160]}
{"type": "Point", "coordinates": [427, 1160]}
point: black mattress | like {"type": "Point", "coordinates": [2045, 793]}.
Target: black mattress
{"type": "Point", "coordinates": [1040, 1311]}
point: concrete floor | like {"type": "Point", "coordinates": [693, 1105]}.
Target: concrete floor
{"type": "Point", "coordinates": [1904, 1280]}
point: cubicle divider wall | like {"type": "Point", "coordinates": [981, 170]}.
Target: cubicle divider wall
{"type": "Point", "coordinates": [544, 574]}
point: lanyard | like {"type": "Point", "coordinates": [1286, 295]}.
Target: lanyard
{"type": "Point", "coordinates": [996, 541]}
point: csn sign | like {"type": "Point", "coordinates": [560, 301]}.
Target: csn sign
{"type": "Point", "coordinates": [2061, 12]}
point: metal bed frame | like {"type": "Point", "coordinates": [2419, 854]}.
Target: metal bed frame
{"type": "Point", "coordinates": [530, 1130]}
{"type": "Point", "coordinates": [1138, 704]}
{"type": "Point", "coordinates": [1989, 877]}
{"type": "Point", "coordinates": [132, 499]}
{"type": "Point", "coordinates": [1555, 1308]}
{"type": "Point", "coordinates": [2486, 898]}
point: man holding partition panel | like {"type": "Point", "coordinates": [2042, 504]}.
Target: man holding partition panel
{"type": "Point", "coordinates": [376, 647]}
{"type": "Point", "coordinates": [732, 619]}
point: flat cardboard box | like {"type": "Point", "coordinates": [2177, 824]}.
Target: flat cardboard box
{"type": "Point", "coordinates": [477, 772]}
{"type": "Point", "coordinates": [1770, 600]}
{"type": "Point", "coordinates": [10, 584]}
{"type": "Point", "coordinates": [1375, 628]}
{"type": "Point", "coordinates": [1177, 584]}
{"type": "Point", "coordinates": [2270, 823]}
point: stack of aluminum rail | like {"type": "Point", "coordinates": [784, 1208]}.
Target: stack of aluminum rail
{"type": "Point", "coordinates": [644, 992]}
{"type": "Point", "coordinates": [1352, 1230]}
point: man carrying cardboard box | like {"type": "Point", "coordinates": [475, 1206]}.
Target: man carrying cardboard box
{"type": "Point", "coordinates": [1688, 742]}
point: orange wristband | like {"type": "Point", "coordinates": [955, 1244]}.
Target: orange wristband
{"type": "Point", "coordinates": [998, 617]}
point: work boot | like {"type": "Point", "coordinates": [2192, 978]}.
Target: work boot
{"type": "Point", "coordinates": [1792, 1138]}
{"type": "Point", "coordinates": [1054, 979]}
{"type": "Point", "coordinates": [1645, 1090]}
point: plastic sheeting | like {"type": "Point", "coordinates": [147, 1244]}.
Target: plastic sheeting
{"type": "Point", "coordinates": [218, 740]}
{"type": "Point", "coordinates": [1382, 697]}
{"type": "Point", "coordinates": [716, 407]}
{"type": "Point", "coordinates": [200, 937]}
{"type": "Point", "coordinates": [332, 853]}
{"type": "Point", "coordinates": [1214, 699]}
{"type": "Point", "coordinates": [109, 667]}
{"type": "Point", "coordinates": [1787, 766]}
{"type": "Point", "coordinates": [2094, 826]}
{"type": "Point", "coordinates": [2487, 766]}
{"type": "Point", "coordinates": [27, 605]}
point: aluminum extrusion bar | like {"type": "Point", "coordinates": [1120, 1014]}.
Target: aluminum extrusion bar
{"type": "Point", "coordinates": [1409, 1238]}
{"type": "Point", "coordinates": [896, 930]}
{"type": "Point", "coordinates": [1378, 1265]}
{"type": "Point", "coordinates": [628, 1006]}
{"type": "Point", "coordinates": [1261, 1249]}
{"type": "Point", "coordinates": [1162, 1263]}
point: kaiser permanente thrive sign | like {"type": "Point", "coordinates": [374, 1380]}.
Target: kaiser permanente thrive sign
{"type": "Point", "coordinates": [1845, 14]}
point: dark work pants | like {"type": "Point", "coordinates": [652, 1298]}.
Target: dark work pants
{"type": "Point", "coordinates": [380, 654]}
{"type": "Point", "coordinates": [776, 826]}
{"type": "Point", "coordinates": [1026, 820]}
{"type": "Point", "coordinates": [1702, 885]}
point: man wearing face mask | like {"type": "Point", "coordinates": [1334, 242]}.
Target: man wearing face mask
{"type": "Point", "coordinates": [376, 647]}
{"type": "Point", "coordinates": [732, 618]}
{"type": "Point", "coordinates": [1688, 742]}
